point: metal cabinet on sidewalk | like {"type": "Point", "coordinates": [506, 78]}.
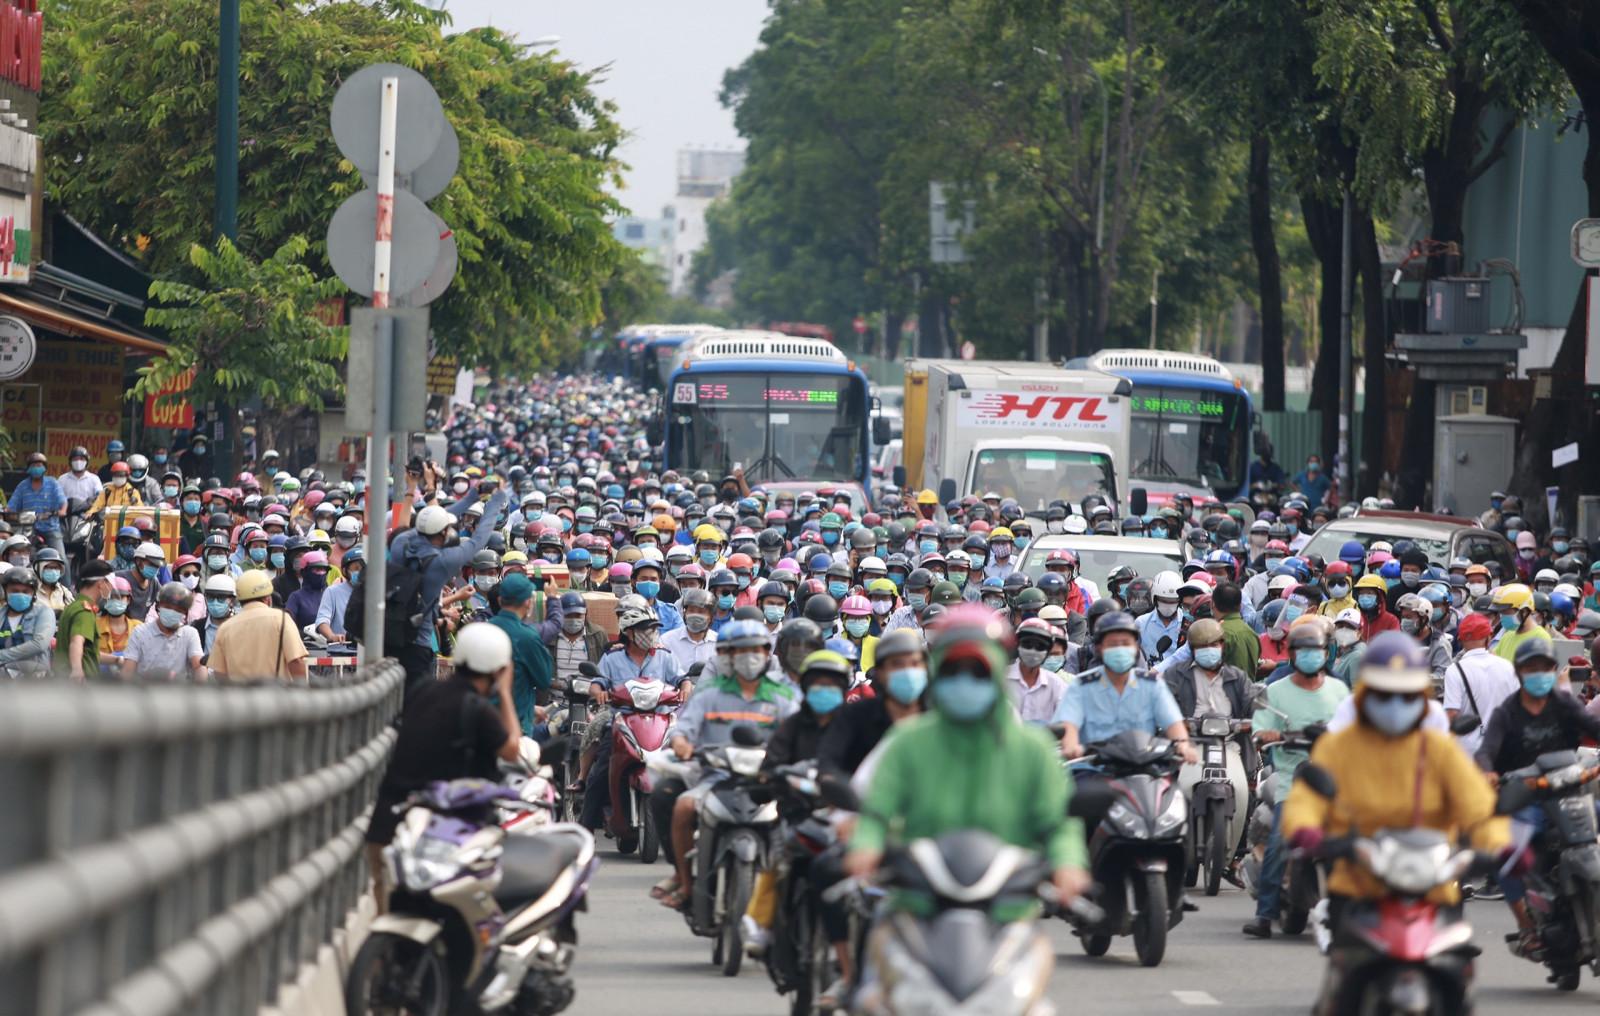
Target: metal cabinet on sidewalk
{"type": "Point", "coordinates": [1473, 455]}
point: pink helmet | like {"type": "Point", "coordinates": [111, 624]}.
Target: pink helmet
{"type": "Point", "coordinates": [1062, 555]}
{"type": "Point", "coordinates": [856, 605]}
{"type": "Point", "coordinates": [1378, 557]}
{"type": "Point", "coordinates": [692, 571]}
{"type": "Point", "coordinates": [316, 557]}
{"type": "Point", "coordinates": [1204, 578]}
{"type": "Point", "coordinates": [622, 571]}
{"type": "Point", "coordinates": [120, 586]}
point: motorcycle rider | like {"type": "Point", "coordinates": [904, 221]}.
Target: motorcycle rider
{"type": "Point", "coordinates": [899, 678]}
{"type": "Point", "coordinates": [53, 591]}
{"type": "Point", "coordinates": [27, 627]}
{"type": "Point", "coordinates": [742, 694]}
{"type": "Point", "coordinates": [1477, 681]}
{"type": "Point", "coordinates": [1309, 697]}
{"type": "Point", "coordinates": [1161, 629]}
{"type": "Point", "coordinates": [1514, 604]}
{"type": "Point", "coordinates": [79, 483]}
{"type": "Point", "coordinates": [1033, 690]}
{"type": "Point", "coordinates": [1119, 694]}
{"type": "Point", "coordinates": [1391, 773]}
{"type": "Point", "coordinates": [119, 493]}
{"type": "Point", "coordinates": [1539, 718]}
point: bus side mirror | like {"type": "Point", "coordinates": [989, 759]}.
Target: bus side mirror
{"type": "Point", "coordinates": [1138, 502]}
{"type": "Point", "coordinates": [880, 430]}
{"type": "Point", "coordinates": [653, 430]}
{"type": "Point", "coordinates": [900, 477]}
{"type": "Point", "coordinates": [947, 490]}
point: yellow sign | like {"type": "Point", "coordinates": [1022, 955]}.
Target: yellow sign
{"type": "Point", "coordinates": [442, 371]}
{"type": "Point", "coordinates": [72, 395]}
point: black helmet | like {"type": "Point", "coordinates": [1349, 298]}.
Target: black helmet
{"type": "Point", "coordinates": [863, 539]}
{"type": "Point", "coordinates": [485, 560]}
{"type": "Point", "coordinates": [822, 610]}
{"type": "Point", "coordinates": [797, 639]}
{"type": "Point", "coordinates": [1015, 583]}
{"type": "Point", "coordinates": [1099, 608]}
{"type": "Point", "coordinates": [769, 539]}
{"type": "Point", "coordinates": [920, 578]}
{"type": "Point", "coordinates": [1114, 620]}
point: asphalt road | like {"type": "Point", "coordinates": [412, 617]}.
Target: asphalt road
{"type": "Point", "coordinates": [635, 957]}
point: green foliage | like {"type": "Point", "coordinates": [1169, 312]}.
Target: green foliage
{"type": "Point", "coordinates": [128, 123]}
{"type": "Point", "coordinates": [249, 329]}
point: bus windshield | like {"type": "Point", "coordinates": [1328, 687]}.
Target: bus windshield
{"type": "Point", "coordinates": [789, 426]}
{"type": "Point", "coordinates": [1192, 436]}
{"type": "Point", "coordinates": [1037, 476]}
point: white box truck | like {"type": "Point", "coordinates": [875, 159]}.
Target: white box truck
{"type": "Point", "coordinates": [1034, 432]}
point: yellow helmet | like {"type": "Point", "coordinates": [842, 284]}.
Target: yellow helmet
{"type": "Point", "coordinates": [927, 497]}
{"type": "Point", "coordinates": [1371, 580]}
{"type": "Point", "coordinates": [708, 533]}
{"type": "Point", "coordinates": [1516, 596]}
{"type": "Point", "coordinates": [1000, 533]}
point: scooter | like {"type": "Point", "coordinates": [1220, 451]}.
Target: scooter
{"type": "Point", "coordinates": [800, 958]}
{"type": "Point", "coordinates": [478, 919]}
{"type": "Point", "coordinates": [571, 718]}
{"type": "Point", "coordinates": [1564, 884]}
{"type": "Point", "coordinates": [1136, 852]}
{"type": "Point", "coordinates": [1302, 875]}
{"type": "Point", "coordinates": [641, 712]}
{"type": "Point", "coordinates": [1401, 953]}
{"type": "Point", "coordinates": [1219, 798]}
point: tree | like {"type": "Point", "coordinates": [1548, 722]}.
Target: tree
{"type": "Point", "coordinates": [128, 125]}
{"type": "Point", "coordinates": [250, 329]}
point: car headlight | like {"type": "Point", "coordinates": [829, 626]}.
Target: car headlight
{"type": "Point", "coordinates": [428, 863]}
{"type": "Point", "coordinates": [1174, 815]}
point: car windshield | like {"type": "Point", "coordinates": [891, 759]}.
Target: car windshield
{"type": "Point", "coordinates": [1095, 563]}
{"type": "Point", "coordinates": [1327, 542]}
{"type": "Point", "coordinates": [777, 426]}
{"type": "Point", "coordinates": [1038, 476]}
{"type": "Point", "coordinates": [1188, 436]}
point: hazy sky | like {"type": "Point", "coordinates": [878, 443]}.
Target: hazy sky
{"type": "Point", "coordinates": [667, 58]}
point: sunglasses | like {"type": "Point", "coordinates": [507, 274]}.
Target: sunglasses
{"type": "Point", "coordinates": [1395, 696]}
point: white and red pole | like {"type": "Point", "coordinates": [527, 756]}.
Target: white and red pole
{"type": "Point", "coordinates": [384, 240]}
{"type": "Point", "coordinates": [376, 576]}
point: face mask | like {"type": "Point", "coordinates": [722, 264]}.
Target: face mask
{"type": "Point", "coordinates": [647, 589]}
{"type": "Point", "coordinates": [1346, 637]}
{"type": "Point", "coordinates": [170, 619]}
{"type": "Point", "coordinates": [1476, 589]}
{"type": "Point", "coordinates": [620, 589]}
{"type": "Point", "coordinates": [258, 555]}
{"type": "Point", "coordinates": [1032, 658]}
{"type": "Point", "coordinates": [696, 623]}
{"type": "Point", "coordinates": [927, 546]}
{"type": "Point", "coordinates": [360, 486]}
{"type": "Point", "coordinates": [1291, 613]}
{"type": "Point", "coordinates": [898, 579]}
{"type": "Point", "coordinates": [959, 578]}
{"type": "Point", "coordinates": [1309, 661]}
{"type": "Point", "coordinates": [217, 609]}
{"type": "Point", "coordinates": [830, 537]}
{"type": "Point", "coordinates": [1560, 546]}
{"type": "Point", "coordinates": [916, 601]}
{"type": "Point", "coordinates": [1410, 579]}
{"type": "Point", "coordinates": [1510, 622]}
{"type": "Point", "coordinates": [1526, 553]}
{"type": "Point", "coordinates": [1408, 625]}
{"type": "Point", "coordinates": [838, 589]}
{"type": "Point", "coordinates": [169, 493]}
{"type": "Point", "coordinates": [277, 560]}
{"type": "Point", "coordinates": [1055, 664]}
{"type": "Point", "coordinates": [824, 698]}
{"type": "Point", "coordinates": [994, 603]}
{"type": "Point", "coordinates": [1056, 527]}
{"type": "Point", "coordinates": [907, 684]}
{"type": "Point", "coordinates": [572, 624]}
{"type": "Point", "coordinates": [749, 665]}
{"type": "Point", "coordinates": [1208, 657]}
{"type": "Point", "coordinates": [1120, 659]}
{"type": "Point", "coordinates": [725, 601]}
{"type": "Point", "coordinates": [459, 487]}
{"type": "Point", "coordinates": [647, 639]}
{"type": "Point", "coordinates": [122, 481]}
{"type": "Point", "coordinates": [217, 562]}
{"type": "Point", "coordinates": [964, 699]}
{"type": "Point", "coordinates": [50, 576]}
{"type": "Point", "coordinates": [1273, 562]}
{"type": "Point", "coordinates": [598, 564]}
{"type": "Point", "coordinates": [1001, 551]}
{"type": "Point", "coordinates": [79, 465]}
{"type": "Point", "coordinates": [857, 627]}
{"type": "Point", "coordinates": [1338, 590]}
{"type": "Point", "coordinates": [149, 571]}
{"type": "Point", "coordinates": [708, 557]}
{"type": "Point", "coordinates": [19, 602]}
{"type": "Point", "coordinates": [772, 613]}
{"type": "Point", "coordinates": [1367, 601]}
{"type": "Point", "coordinates": [1539, 685]}
{"type": "Point", "coordinates": [116, 607]}
{"type": "Point", "coordinates": [36, 471]}
{"type": "Point", "coordinates": [190, 582]}
{"type": "Point", "coordinates": [1393, 716]}
{"type": "Point", "coordinates": [485, 583]}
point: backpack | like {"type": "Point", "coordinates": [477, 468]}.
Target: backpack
{"type": "Point", "coordinates": [403, 609]}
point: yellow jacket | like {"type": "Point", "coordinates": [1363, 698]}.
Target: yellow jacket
{"type": "Point", "coordinates": [112, 496]}
{"type": "Point", "coordinates": [1331, 607]}
{"type": "Point", "coordinates": [1377, 790]}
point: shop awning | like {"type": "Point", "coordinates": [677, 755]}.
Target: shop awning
{"type": "Point", "coordinates": [57, 320]}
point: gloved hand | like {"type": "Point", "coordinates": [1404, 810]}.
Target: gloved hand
{"type": "Point", "coordinates": [1306, 841]}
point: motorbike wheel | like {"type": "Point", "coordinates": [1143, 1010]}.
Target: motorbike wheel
{"type": "Point", "coordinates": [1217, 848]}
{"type": "Point", "coordinates": [1567, 980]}
{"type": "Point", "coordinates": [1095, 945]}
{"type": "Point", "coordinates": [814, 956]}
{"type": "Point", "coordinates": [1193, 844]}
{"type": "Point", "coordinates": [649, 842]}
{"type": "Point", "coordinates": [1150, 918]}
{"type": "Point", "coordinates": [1294, 920]}
{"type": "Point", "coordinates": [571, 803]}
{"type": "Point", "coordinates": [736, 886]}
{"type": "Point", "coordinates": [392, 973]}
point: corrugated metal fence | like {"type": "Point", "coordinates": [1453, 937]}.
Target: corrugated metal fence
{"type": "Point", "coordinates": [181, 848]}
{"type": "Point", "coordinates": [1296, 434]}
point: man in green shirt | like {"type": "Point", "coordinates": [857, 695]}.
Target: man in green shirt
{"type": "Point", "coordinates": [971, 764]}
{"type": "Point", "coordinates": [1241, 647]}
{"type": "Point", "coordinates": [532, 668]}
{"type": "Point", "coordinates": [1514, 604]}
{"type": "Point", "coordinates": [78, 636]}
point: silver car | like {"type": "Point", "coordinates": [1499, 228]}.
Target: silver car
{"type": "Point", "coordinates": [1097, 555]}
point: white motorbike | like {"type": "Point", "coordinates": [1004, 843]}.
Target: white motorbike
{"type": "Point", "coordinates": [1219, 798]}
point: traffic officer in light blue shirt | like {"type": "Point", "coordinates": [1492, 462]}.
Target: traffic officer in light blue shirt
{"type": "Point", "coordinates": [1119, 695]}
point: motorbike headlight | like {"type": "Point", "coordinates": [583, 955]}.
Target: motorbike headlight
{"type": "Point", "coordinates": [428, 863]}
{"type": "Point", "coordinates": [1174, 815]}
{"type": "Point", "coordinates": [1011, 990]}
{"type": "Point", "coordinates": [745, 761]}
{"type": "Point", "coordinates": [915, 993]}
{"type": "Point", "coordinates": [580, 686]}
{"type": "Point", "coordinates": [646, 694]}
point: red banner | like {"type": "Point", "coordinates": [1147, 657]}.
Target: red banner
{"type": "Point", "coordinates": [171, 415]}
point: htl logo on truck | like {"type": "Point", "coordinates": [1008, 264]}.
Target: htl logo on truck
{"type": "Point", "coordinates": [1003, 407]}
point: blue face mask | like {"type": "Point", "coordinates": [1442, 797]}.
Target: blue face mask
{"type": "Point", "coordinates": [170, 493]}
{"type": "Point", "coordinates": [191, 508]}
{"type": "Point", "coordinates": [170, 619]}
{"type": "Point", "coordinates": [258, 555]}
{"type": "Point", "coordinates": [19, 602]}
{"type": "Point", "coordinates": [359, 485]}
{"type": "Point", "coordinates": [857, 627]}
{"type": "Point", "coordinates": [1357, 570]}
{"type": "Point", "coordinates": [907, 684]}
{"type": "Point", "coordinates": [1157, 533]}
{"type": "Point", "coordinates": [772, 613]}
{"type": "Point", "coordinates": [965, 699]}
{"type": "Point", "coordinates": [1394, 716]}
{"type": "Point", "coordinates": [1309, 661]}
{"type": "Point", "coordinates": [217, 609]}
{"type": "Point", "coordinates": [928, 546]}
{"type": "Point", "coordinates": [1367, 601]}
{"type": "Point", "coordinates": [830, 537]}
{"type": "Point", "coordinates": [725, 601]}
{"type": "Point", "coordinates": [647, 589]}
{"type": "Point", "coordinates": [1510, 622]}
{"type": "Point", "coordinates": [838, 589]}
{"type": "Point", "coordinates": [824, 698]}
{"type": "Point", "coordinates": [1291, 613]}
{"type": "Point", "coordinates": [149, 571]}
{"type": "Point", "coordinates": [36, 471]}
{"type": "Point", "coordinates": [1538, 685]}
{"type": "Point", "coordinates": [898, 579]}
{"type": "Point", "coordinates": [159, 459]}
{"type": "Point", "coordinates": [586, 527]}
{"type": "Point", "coordinates": [708, 557]}
{"type": "Point", "coordinates": [916, 601]}
{"type": "Point", "coordinates": [1560, 546]}
{"type": "Point", "coordinates": [50, 576]}
{"type": "Point", "coordinates": [1120, 659]}
{"type": "Point", "coordinates": [277, 560]}
{"type": "Point", "coordinates": [1208, 657]}
{"type": "Point", "coordinates": [1022, 542]}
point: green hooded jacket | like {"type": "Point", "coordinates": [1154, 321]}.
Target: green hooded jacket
{"type": "Point", "coordinates": [999, 775]}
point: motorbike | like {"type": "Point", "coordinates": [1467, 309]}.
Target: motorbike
{"type": "Point", "coordinates": [1219, 798]}
{"type": "Point", "coordinates": [571, 717]}
{"type": "Point", "coordinates": [1136, 852]}
{"type": "Point", "coordinates": [1563, 887]}
{"type": "Point", "coordinates": [478, 919]}
{"type": "Point", "coordinates": [800, 959]}
{"type": "Point", "coordinates": [641, 712]}
{"type": "Point", "coordinates": [1302, 875]}
{"type": "Point", "coordinates": [1401, 953]}
{"type": "Point", "coordinates": [81, 534]}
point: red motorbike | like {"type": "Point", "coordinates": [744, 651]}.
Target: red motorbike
{"type": "Point", "coordinates": [641, 712]}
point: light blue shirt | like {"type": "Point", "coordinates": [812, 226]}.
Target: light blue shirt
{"type": "Point", "coordinates": [1152, 630]}
{"type": "Point", "coordinates": [1093, 705]}
{"type": "Point", "coordinates": [331, 610]}
{"type": "Point", "coordinates": [617, 668]}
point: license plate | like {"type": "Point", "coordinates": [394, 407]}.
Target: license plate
{"type": "Point", "coordinates": [1214, 754]}
{"type": "Point", "coordinates": [577, 727]}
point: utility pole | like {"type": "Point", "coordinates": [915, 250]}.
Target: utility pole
{"type": "Point", "coordinates": [226, 212]}
{"type": "Point", "coordinates": [1347, 380]}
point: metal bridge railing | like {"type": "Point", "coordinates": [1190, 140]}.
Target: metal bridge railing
{"type": "Point", "coordinates": [181, 848]}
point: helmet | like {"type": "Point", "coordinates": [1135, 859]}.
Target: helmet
{"type": "Point", "coordinates": [1310, 631]}
{"type": "Point", "coordinates": [1205, 632]}
{"type": "Point", "coordinates": [433, 520]}
{"type": "Point", "coordinates": [745, 635]}
{"type": "Point", "coordinates": [797, 639]}
{"type": "Point", "coordinates": [221, 585]}
{"type": "Point", "coordinates": [26, 577]}
{"type": "Point", "coordinates": [853, 606]}
{"type": "Point", "coordinates": [633, 616]}
{"type": "Point", "coordinates": [1535, 648]}
{"type": "Point", "coordinates": [482, 648]}
{"type": "Point", "coordinates": [254, 585]}
{"type": "Point", "coordinates": [822, 609]}
{"type": "Point", "coordinates": [695, 598]}
{"type": "Point", "coordinates": [1037, 628]}
{"type": "Point", "coordinates": [970, 632]}
{"type": "Point", "coordinates": [825, 662]}
{"type": "Point", "coordinates": [906, 640]}
{"type": "Point", "coordinates": [1165, 585]}
{"type": "Point", "coordinates": [1393, 662]}
{"type": "Point", "coordinates": [1515, 596]}
{"type": "Point", "coordinates": [1352, 553]}
{"type": "Point", "coordinates": [173, 594]}
{"type": "Point", "coordinates": [1371, 581]}
{"type": "Point", "coordinates": [1113, 621]}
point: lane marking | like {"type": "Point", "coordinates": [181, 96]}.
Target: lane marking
{"type": "Point", "coordinates": [1195, 998]}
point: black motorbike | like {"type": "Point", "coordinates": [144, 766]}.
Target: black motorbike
{"type": "Point", "coordinates": [800, 958]}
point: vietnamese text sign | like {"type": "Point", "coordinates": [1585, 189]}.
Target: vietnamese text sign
{"type": "Point", "coordinates": [442, 375]}
{"type": "Point", "coordinates": [167, 413]}
{"type": "Point", "coordinates": [81, 387]}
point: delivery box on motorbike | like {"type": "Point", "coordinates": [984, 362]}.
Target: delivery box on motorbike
{"type": "Point", "coordinates": [168, 523]}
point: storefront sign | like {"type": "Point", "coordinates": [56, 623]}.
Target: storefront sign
{"type": "Point", "coordinates": [442, 375]}
{"type": "Point", "coordinates": [171, 414]}
{"type": "Point", "coordinates": [17, 347]}
{"type": "Point", "coordinates": [72, 395]}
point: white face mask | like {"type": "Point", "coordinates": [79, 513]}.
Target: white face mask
{"type": "Point", "coordinates": [1166, 609]}
{"type": "Point", "coordinates": [1346, 637]}
{"type": "Point", "coordinates": [1477, 589]}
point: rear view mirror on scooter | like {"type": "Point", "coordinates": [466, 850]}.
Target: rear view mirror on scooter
{"type": "Point", "coordinates": [1318, 779]}
{"type": "Point", "coordinates": [838, 793]}
{"type": "Point", "coordinates": [1090, 801]}
{"type": "Point", "coordinates": [588, 669]}
{"type": "Point", "coordinates": [696, 670]}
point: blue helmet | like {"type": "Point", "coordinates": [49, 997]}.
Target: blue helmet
{"type": "Point", "coordinates": [578, 556]}
{"type": "Point", "coordinates": [1390, 569]}
{"type": "Point", "coordinates": [1435, 594]}
{"type": "Point", "coordinates": [817, 564]}
{"type": "Point", "coordinates": [743, 635]}
{"type": "Point", "coordinates": [1352, 553]}
{"type": "Point", "coordinates": [1561, 603]}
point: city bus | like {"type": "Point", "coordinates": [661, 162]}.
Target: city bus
{"type": "Point", "coordinates": [659, 348]}
{"type": "Point", "coordinates": [793, 412]}
{"type": "Point", "coordinates": [1192, 423]}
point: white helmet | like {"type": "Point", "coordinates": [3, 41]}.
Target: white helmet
{"type": "Point", "coordinates": [1165, 585]}
{"type": "Point", "coordinates": [1076, 524]}
{"type": "Point", "coordinates": [147, 551]}
{"type": "Point", "coordinates": [221, 585]}
{"type": "Point", "coordinates": [482, 648]}
{"type": "Point", "coordinates": [876, 563]}
{"type": "Point", "coordinates": [433, 520]}
{"type": "Point", "coordinates": [633, 616]}
{"type": "Point", "coordinates": [679, 552]}
{"type": "Point", "coordinates": [650, 554]}
{"type": "Point", "coordinates": [1568, 589]}
{"type": "Point", "coordinates": [1350, 616]}
{"type": "Point", "coordinates": [1546, 575]}
{"type": "Point", "coordinates": [348, 525]}
{"type": "Point", "coordinates": [1281, 582]}
{"type": "Point", "coordinates": [956, 556]}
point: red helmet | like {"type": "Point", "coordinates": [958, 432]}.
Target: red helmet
{"type": "Point", "coordinates": [1336, 568]}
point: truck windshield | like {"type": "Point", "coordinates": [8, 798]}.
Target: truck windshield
{"type": "Point", "coordinates": [780, 426]}
{"type": "Point", "coordinates": [1037, 476]}
{"type": "Point", "coordinates": [1191, 436]}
